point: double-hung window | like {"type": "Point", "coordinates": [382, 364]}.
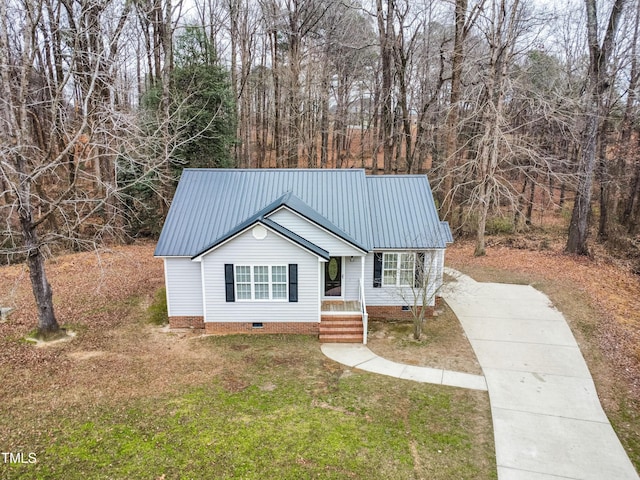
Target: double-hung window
{"type": "Point", "coordinates": [398, 269]}
{"type": "Point", "coordinates": [261, 282]}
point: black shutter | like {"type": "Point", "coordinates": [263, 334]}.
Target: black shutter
{"type": "Point", "coordinates": [377, 270]}
{"type": "Point", "coordinates": [293, 282]}
{"type": "Point", "coordinates": [419, 273]}
{"type": "Point", "coordinates": [228, 282]}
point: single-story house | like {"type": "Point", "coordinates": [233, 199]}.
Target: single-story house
{"type": "Point", "coordinates": [299, 251]}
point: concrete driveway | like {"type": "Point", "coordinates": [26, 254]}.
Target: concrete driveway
{"type": "Point", "coordinates": [548, 421]}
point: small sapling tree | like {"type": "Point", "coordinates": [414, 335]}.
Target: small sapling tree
{"type": "Point", "coordinates": [420, 294]}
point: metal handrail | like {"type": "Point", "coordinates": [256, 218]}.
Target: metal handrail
{"type": "Point", "coordinates": [365, 315]}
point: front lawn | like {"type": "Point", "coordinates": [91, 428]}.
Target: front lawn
{"type": "Point", "coordinates": [276, 409]}
{"type": "Point", "coordinates": [125, 400]}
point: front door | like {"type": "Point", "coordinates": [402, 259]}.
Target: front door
{"type": "Point", "coordinates": [333, 277]}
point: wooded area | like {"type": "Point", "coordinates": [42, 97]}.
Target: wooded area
{"type": "Point", "coordinates": [503, 103]}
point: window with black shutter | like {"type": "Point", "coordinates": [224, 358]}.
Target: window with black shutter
{"type": "Point", "coordinates": [228, 282]}
{"type": "Point", "coordinates": [293, 282]}
{"type": "Point", "coordinates": [419, 273]}
{"type": "Point", "coordinates": [377, 270]}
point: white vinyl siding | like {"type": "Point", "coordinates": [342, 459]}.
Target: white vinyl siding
{"type": "Point", "coordinates": [352, 273]}
{"type": "Point", "coordinates": [314, 234]}
{"type": "Point", "coordinates": [245, 250]}
{"type": "Point", "coordinates": [184, 287]}
{"type": "Point", "coordinates": [393, 294]}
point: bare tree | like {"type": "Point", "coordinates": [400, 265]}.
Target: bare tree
{"type": "Point", "coordinates": [421, 287]}
{"type": "Point", "coordinates": [504, 25]}
{"type": "Point", "coordinates": [463, 24]}
{"type": "Point", "coordinates": [65, 135]}
{"type": "Point", "coordinates": [386, 32]}
{"type": "Point", "coordinates": [597, 84]}
{"type": "Point", "coordinates": [39, 132]}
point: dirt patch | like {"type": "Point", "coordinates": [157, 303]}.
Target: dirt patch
{"type": "Point", "coordinates": [443, 343]}
{"type": "Point", "coordinates": [233, 383]}
{"type": "Point", "coordinates": [62, 337]}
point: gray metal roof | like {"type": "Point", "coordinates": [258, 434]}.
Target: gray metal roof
{"type": "Point", "coordinates": [446, 232]}
{"type": "Point", "coordinates": [403, 213]}
{"type": "Point", "coordinates": [260, 217]}
{"type": "Point", "coordinates": [294, 203]}
{"type": "Point", "coordinates": [209, 203]}
{"type": "Point", "coordinates": [369, 212]}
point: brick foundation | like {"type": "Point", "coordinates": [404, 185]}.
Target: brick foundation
{"type": "Point", "coordinates": [226, 328]}
{"type": "Point", "coordinates": [392, 312]}
{"type": "Point", "coordinates": [186, 322]}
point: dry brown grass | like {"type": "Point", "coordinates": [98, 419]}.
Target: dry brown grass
{"type": "Point", "coordinates": [102, 296]}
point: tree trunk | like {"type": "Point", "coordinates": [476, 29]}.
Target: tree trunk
{"type": "Point", "coordinates": [606, 181]}
{"type": "Point", "coordinates": [521, 200]}
{"type": "Point", "coordinates": [277, 127]}
{"type": "Point", "coordinates": [385, 31]}
{"type": "Point", "coordinates": [451, 143]}
{"type": "Point", "coordinates": [631, 209]}
{"type": "Point", "coordinates": [417, 326]}
{"type": "Point", "coordinates": [480, 249]}
{"type": "Point", "coordinates": [532, 193]}
{"type": "Point", "coordinates": [324, 120]}
{"type": "Point", "coordinates": [579, 225]}
{"type": "Point", "coordinates": [47, 323]}
{"type": "Point", "coordinates": [598, 60]}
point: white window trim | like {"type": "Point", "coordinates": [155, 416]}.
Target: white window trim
{"type": "Point", "coordinates": [252, 283]}
{"type": "Point", "coordinates": [398, 270]}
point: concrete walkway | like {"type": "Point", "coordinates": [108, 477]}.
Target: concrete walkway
{"type": "Point", "coordinates": [547, 419]}
{"type": "Point", "coordinates": [359, 356]}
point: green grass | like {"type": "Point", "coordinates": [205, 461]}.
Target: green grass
{"type": "Point", "coordinates": [157, 311]}
{"type": "Point", "coordinates": [278, 410]}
